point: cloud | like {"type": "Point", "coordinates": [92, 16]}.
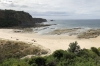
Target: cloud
{"type": "Point", "coordinates": [50, 13]}
{"type": "Point", "coordinates": [11, 5]}
{"type": "Point", "coordinates": [66, 8]}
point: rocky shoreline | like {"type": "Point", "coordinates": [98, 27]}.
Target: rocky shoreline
{"type": "Point", "coordinates": [92, 33]}
{"type": "Point", "coordinates": [86, 34]}
{"type": "Point", "coordinates": [63, 31]}
{"type": "Point", "coordinates": [81, 33]}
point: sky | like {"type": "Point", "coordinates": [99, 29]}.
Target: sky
{"type": "Point", "coordinates": [56, 9]}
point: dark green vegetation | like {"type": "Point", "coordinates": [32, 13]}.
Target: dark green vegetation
{"type": "Point", "coordinates": [12, 49]}
{"type": "Point", "coordinates": [11, 18]}
{"type": "Point", "coordinates": [73, 56]}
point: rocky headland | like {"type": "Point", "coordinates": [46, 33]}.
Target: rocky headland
{"type": "Point", "coordinates": [12, 18]}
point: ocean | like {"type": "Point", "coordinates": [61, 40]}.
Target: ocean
{"type": "Point", "coordinates": [79, 23]}
{"type": "Point", "coordinates": [88, 23]}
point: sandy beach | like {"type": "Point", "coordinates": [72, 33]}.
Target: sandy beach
{"type": "Point", "coordinates": [51, 42]}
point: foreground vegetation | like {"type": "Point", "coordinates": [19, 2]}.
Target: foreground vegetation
{"type": "Point", "coordinates": [13, 49]}
{"type": "Point", "coordinates": [73, 56]}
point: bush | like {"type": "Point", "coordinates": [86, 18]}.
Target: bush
{"type": "Point", "coordinates": [95, 50]}
{"type": "Point", "coordinates": [37, 61]}
{"type": "Point", "coordinates": [14, 62]}
{"type": "Point", "coordinates": [62, 63]}
{"type": "Point", "coordinates": [58, 54]}
{"type": "Point", "coordinates": [85, 57]}
{"type": "Point", "coordinates": [51, 61]}
{"type": "Point", "coordinates": [69, 55]}
{"type": "Point", "coordinates": [73, 47]}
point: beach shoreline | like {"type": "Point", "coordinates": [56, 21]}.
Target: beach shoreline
{"type": "Point", "coordinates": [51, 42]}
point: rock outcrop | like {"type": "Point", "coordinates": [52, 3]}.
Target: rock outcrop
{"type": "Point", "coordinates": [11, 18]}
{"type": "Point", "coordinates": [92, 33]}
{"type": "Point", "coordinates": [39, 20]}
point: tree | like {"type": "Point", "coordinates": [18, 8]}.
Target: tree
{"type": "Point", "coordinates": [73, 47]}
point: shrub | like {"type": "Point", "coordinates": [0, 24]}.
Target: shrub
{"type": "Point", "coordinates": [38, 61]}
{"type": "Point", "coordinates": [51, 61]}
{"type": "Point", "coordinates": [14, 62]}
{"type": "Point", "coordinates": [73, 47]}
{"type": "Point", "coordinates": [85, 57]}
{"type": "Point", "coordinates": [58, 54]}
{"type": "Point", "coordinates": [95, 50]}
{"type": "Point", "coordinates": [62, 63]}
{"type": "Point", "coordinates": [69, 55]}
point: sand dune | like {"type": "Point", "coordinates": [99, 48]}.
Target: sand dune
{"type": "Point", "coordinates": [52, 42]}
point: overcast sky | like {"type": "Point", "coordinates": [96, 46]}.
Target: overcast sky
{"type": "Point", "coordinates": [56, 9]}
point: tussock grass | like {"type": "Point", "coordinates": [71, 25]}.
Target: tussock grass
{"type": "Point", "coordinates": [15, 49]}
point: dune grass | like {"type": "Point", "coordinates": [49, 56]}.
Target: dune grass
{"type": "Point", "coordinates": [15, 49]}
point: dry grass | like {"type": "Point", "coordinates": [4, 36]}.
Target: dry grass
{"type": "Point", "coordinates": [13, 49]}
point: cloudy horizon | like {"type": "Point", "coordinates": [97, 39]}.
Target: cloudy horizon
{"type": "Point", "coordinates": [56, 9]}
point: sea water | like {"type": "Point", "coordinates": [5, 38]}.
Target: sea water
{"type": "Point", "coordinates": [69, 24]}
{"type": "Point", "coordinates": [81, 23]}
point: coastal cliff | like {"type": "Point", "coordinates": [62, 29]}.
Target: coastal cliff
{"type": "Point", "coordinates": [39, 20]}
{"type": "Point", "coordinates": [12, 18]}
